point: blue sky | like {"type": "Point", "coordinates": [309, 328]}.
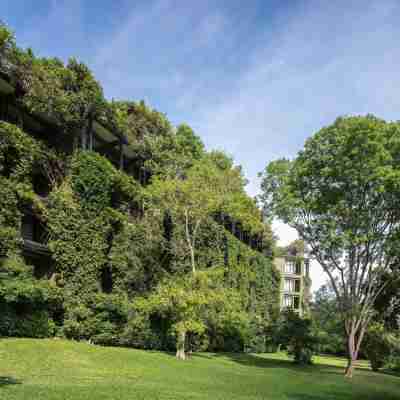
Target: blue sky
{"type": "Point", "coordinates": [254, 78]}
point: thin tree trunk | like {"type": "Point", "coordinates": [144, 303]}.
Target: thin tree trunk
{"type": "Point", "coordinates": [192, 259]}
{"type": "Point", "coordinates": [180, 346]}
{"type": "Point", "coordinates": [352, 354]}
{"type": "Point", "coordinates": [355, 334]}
{"type": "Point", "coordinates": [349, 368]}
{"type": "Point", "coordinates": [189, 242]}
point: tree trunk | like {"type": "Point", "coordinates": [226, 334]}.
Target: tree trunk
{"type": "Point", "coordinates": [189, 242]}
{"type": "Point", "coordinates": [192, 259]}
{"type": "Point", "coordinates": [351, 354]}
{"type": "Point", "coordinates": [349, 368]}
{"type": "Point", "coordinates": [180, 346]}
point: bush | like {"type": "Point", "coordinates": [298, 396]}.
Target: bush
{"type": "Point", "coordinates": [296, 335]}
{"type": "Point", "coordinates": [377, 346]}
{"type": "Point", "coordinates": [138, 333]}
{"type": "Point", "coordinates": [393, 363]}
{"type": "Point", "coordinates": [101, 319]}
{"type": "Point", "coordinates": [36, 324]}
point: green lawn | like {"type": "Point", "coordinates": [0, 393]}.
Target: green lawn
{"type": "Point", "coordinates": [57, 369]}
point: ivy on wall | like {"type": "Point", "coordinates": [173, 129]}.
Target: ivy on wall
{"type": "Point", "coordinates": [109, 244]}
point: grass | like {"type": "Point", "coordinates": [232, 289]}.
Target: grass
{"type": "Point", "coordinates": [57, 369]}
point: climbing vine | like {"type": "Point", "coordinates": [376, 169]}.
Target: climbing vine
{"type": "Point", "coordinates": [108, 247]}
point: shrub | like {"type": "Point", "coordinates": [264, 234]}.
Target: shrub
{"type": "Point", "coordinates": [92, 179]}
{"type": "Point", "coordinates": [377, 346]}
{"type": "Point", "coordinates": [33, 324]}
{"type": "Point", "coordinates": [296, 334]}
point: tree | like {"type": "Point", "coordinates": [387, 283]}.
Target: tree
{"type": "Point", "coordinates": [387, 304]}
{"type": "Point", "coordinates": [341, 194]}
{"type": "Point", "coordinates": [327, 322]}
{"type": "Point", "coordinates": [6, 44]}
{"type": "Point", "coordinates": [69, 94]}
{"type": "Point", "coordinates": [296, 333]}
{"type": "Point", "coordinates": [378, 345]}
{"type": "Point", "coordinates": [205, 190]}
{"type": "Point", "coordinates": [190, 301]}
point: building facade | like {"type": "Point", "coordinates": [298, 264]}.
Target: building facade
{"type": "Point", "coordinates": [295, 283]}
{"type": "Point", "coordinates": [96, 137]}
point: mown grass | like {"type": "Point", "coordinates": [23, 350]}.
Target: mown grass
{"type": "Point", "coordinates": [57, 369]}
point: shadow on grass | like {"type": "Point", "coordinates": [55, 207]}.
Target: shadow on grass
{"type": "Point", "coordinates": [252, 360]}
{"type": "Point", "coordinates": [390, 372]}
{"type": "Point", "coordinates": [332, 395]}
{"type": "Point", "coordinates": [8, 380]}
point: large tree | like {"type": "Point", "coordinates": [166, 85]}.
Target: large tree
{"type": "Point", "coordinates": [193, 303]}
{"type": "Point", "coordinates": [342, 195]}
{"type": "Point", "coordinates": [204, 190]}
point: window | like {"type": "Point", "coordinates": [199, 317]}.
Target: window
{"type": "Point", "coordinates": [287, 301]}
{"type": "Point", "coordinates": [41, 185]}
{"type": "Point", "coordinates": [291, 285]}
{"type": "Point", "coordinates": [32, 229]}
{"type": "Point", "coordinates": [290, 267]}
{"type": "Point", "coordinates": [291, 302]}
{"type": "Point", "coordinates": [296, 302]}
{"type": "Point", "coordinates": [106, 280]}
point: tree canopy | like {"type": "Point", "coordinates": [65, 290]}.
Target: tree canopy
{"type": "Point", "coordinates": [341, 194]}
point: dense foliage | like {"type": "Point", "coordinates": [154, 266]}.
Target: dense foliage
{"type": "Point", "coordinates": [114, 244]}
{"type": "Point", "coordinates": [328, 322]}
{"type": "Point", "coordinates": [341, 193]}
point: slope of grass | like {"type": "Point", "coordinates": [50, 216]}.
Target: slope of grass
{"type": "Point", "coordinates": [56, 369]}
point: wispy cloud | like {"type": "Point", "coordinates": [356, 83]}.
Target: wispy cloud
{"type": "Point", "coordinates": [173, 53]}
{"type": "Point", "coordinates": [324, 61]}
{"type": "Point", "coordinates": [254, 78]}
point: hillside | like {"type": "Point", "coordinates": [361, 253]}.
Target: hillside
{"type": "Point", "coordinates": [56, 369]}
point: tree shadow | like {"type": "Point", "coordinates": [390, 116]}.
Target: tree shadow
{"type": "Point", "coordinates": [8, 380]}
{"type": "Point", "coordinates": [252, 360]}
{"type": "Point", "coordinates": [337, 395]}
{"type": "Point", "coordinates": [390, 372]}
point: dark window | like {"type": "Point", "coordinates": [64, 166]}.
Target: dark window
{"type": "Point", "coordinates": [297, 285]}
{"type": "Point", "coordinates": [168, 227]}
{"type": "Point", "coordinates": [42, 266]}
{"type": "Point", "coordinates": [106, 280]}
{"type": "Point", "coordinates": [296, 302]}
{"type": "Point", "coordinates": [32, 229]}
{"type": "Point", "coordinates": [41, 185]}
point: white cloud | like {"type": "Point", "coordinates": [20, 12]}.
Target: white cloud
{"type": "Point", "coordinates": [254, 88]}
{"type": "Point", "coordinates": [327, 60]}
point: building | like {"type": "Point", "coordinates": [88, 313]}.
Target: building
{"type": "Point", "coordinates": [295, 282]}
{"type": "Point", "coordinates": [96, 136]}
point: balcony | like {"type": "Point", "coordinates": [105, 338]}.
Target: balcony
{"type": "Point", "coordinates": [291, 268]}
{"type": "Point", "coordinates": [35, 250]}
{"type": "Point", "coordinates": [291, 285]}
{"type": "Point", "coordinates": [291, 302]}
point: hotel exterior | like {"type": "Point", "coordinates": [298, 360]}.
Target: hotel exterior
{"type": "Point", "coordinates": [295, 283]}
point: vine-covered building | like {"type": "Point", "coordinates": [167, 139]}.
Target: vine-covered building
{"type": "Point", "coordinates": [79, 238]}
